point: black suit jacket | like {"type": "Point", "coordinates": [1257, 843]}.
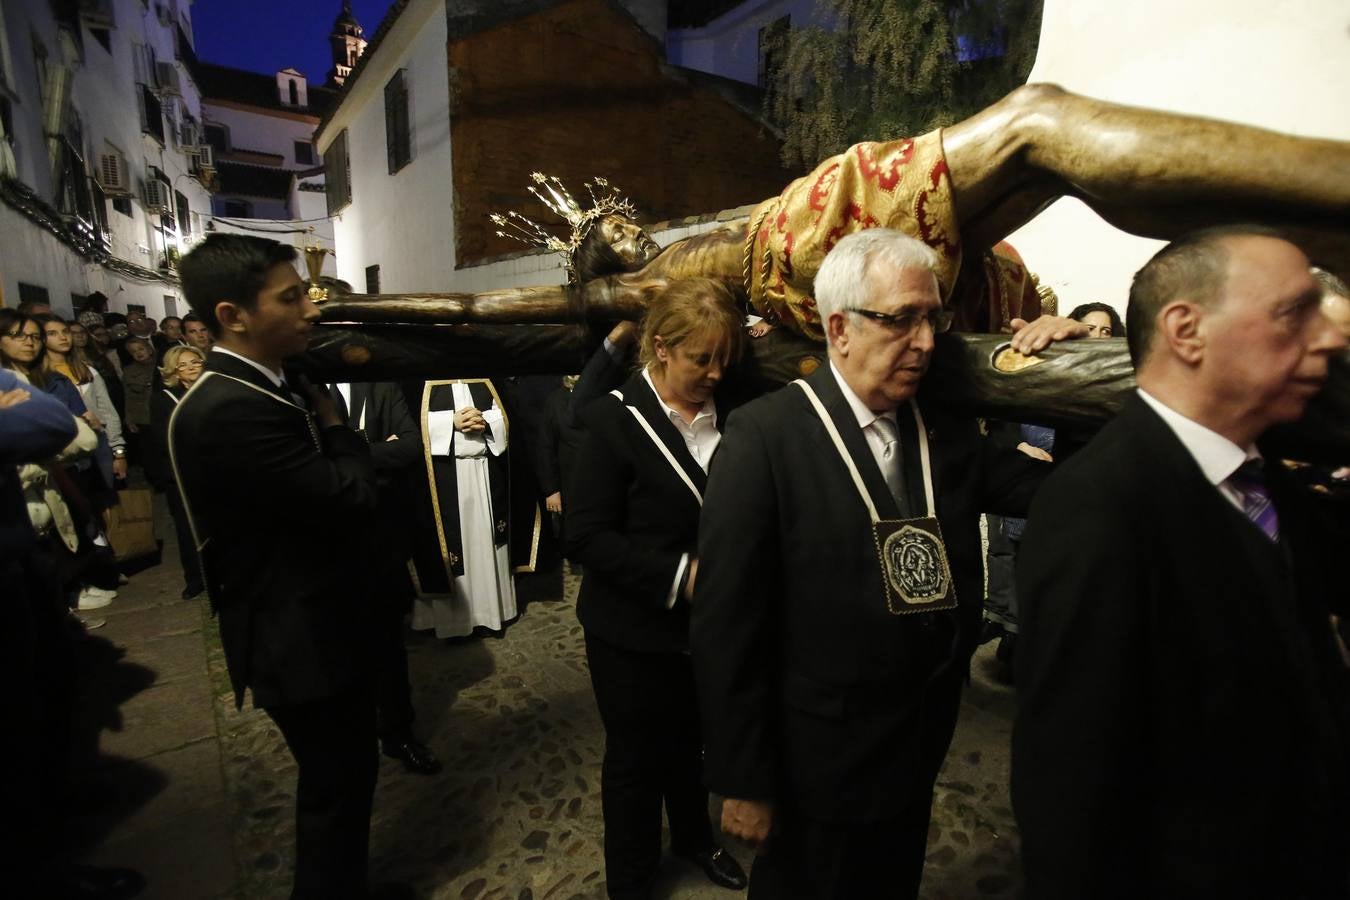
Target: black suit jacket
{"type": "Point", "coordinates": [378, 410]}
{"type": "Point", "coordinates": [560, 440]}
{"type": "Point", "coordinates": [630, 519]}
{"type": "Point", "coordinates": [812, 692]}
{"type": "Point", "coordinates": [279, 508]}
{"type": "Point", "coordinates": [1182, 725]}
{"type": "Point", "coordinates": [155, 443]}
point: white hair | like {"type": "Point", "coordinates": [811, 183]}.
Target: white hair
{"type": "Point", "coordinates": [841, 283]}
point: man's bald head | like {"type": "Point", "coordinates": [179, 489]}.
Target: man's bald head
{"type": "Point", "coordinates": [1241, 353]}
{"type": "Point", "coordinates": [1194, 268]}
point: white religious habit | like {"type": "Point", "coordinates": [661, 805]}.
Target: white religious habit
{"type": "Point", "coordinates": [485, 594]}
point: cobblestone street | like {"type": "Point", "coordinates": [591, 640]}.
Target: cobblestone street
{"type": "Point", "coordinates": [200, 797]}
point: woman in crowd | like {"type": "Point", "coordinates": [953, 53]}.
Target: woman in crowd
{"type": "Point", "coordinates": [60, 357]}
{"type": "Point", "coordinates": [632, 523]}
{"type": "Point", "coordinates": [1102, 321]}
{"type": "Point", "coordinates": [87, 349]}
{"type": "Point", "coordinates": [87, 565]}
{"type": "Point", "coordinates": [181, 369]}
{"type": "Point", "coordinates": [138, 377]}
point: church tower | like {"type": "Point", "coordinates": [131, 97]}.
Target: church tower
{"type": "Point", "coordinates": [348, 42]}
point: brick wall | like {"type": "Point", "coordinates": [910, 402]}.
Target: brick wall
{"type": "Point", "coordinates": [579, 91]}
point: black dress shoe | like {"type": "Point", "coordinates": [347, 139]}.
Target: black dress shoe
{"type": "Point", "coordinates": [720, 867]}
{"type": "Point", "coordinates": [415, 755]}
{"type": "Point", "coordinates": [100, 883]}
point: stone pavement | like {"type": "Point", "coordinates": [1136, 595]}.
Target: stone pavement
{"type": "Point", "coordinates": [200, 797]}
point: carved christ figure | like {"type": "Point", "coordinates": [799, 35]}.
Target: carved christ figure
{"type": "Point", "coordinates": [959, 189]}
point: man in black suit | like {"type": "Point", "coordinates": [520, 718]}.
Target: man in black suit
{"type": "Point", "coordinates": [280, 499]}
{"type": "Point", "coordinates": [829, 685]}
{"type": "Point", "coordinates": [1184, 727]}
{"type": "Point", "coordinates": [378, 412]}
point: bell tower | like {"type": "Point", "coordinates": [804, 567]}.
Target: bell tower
{"type": "Point", "coordinates": [348, 42]}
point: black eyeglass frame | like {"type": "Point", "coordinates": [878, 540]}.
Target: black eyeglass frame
{"type": "Point", "coordinates": [940, 320]}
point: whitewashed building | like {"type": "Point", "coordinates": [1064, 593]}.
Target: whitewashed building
{"type": "Point", "coordinates": [395, 188]}
{"type": "Point", "coordinates": [102, 180]}
{"type": "Point", "coordinates": [261, 131]}
{"type": "Point", "coordinates": [395, 236]}
{"type": "Point", "coordinates": [260, 128]}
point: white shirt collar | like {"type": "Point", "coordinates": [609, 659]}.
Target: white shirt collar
{"type": "Point", "coordinates": [864, 415]}
{"type": "Point", "coordinates": [274, 377]}
{"type": "Point", "coordinates": [1217, 456]}
{"type": "Point", "coordinates": [709, 405]}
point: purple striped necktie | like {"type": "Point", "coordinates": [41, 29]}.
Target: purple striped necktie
{"type": "Point", "coordinates": [1250, 483]}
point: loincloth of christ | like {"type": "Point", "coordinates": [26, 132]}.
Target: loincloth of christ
{"type": "Point", "coordinates": [902, 184]}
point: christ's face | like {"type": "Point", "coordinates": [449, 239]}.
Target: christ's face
{"type": "Point", "coordinates": [633, 245]}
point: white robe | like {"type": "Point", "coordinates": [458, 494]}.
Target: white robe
{"type": "Point", "coordinates": [485, 594]}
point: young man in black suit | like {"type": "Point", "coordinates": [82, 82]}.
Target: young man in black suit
{"type": "Point", "coordinates": [829, 679]}
{"type": "Point", "coordinates": [280, 497]}
{"type": "Point", "coordinates": [1184, 727]}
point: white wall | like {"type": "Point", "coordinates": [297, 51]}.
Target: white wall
{"type": "Point", "coordinates": [404, 223]}
{"type": "Point", "coordinates": [729, 45]}
{"type": "Point", "coordinates": [1281, 64]}
{"type": "Point", "coordinates": [259, 131]}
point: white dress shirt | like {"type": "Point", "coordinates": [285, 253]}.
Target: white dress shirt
{"type": "Point", "coordinates": [274, 377]}
{"type": "Point", "coordinates": [1217, 456]}
{"type": "Point", "coordinates": [876, 436]}
{"type": "Point", "coordinates": [701, 437]}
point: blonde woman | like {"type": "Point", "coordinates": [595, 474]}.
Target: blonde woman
{"type": "Point", "coordinates": [632, 523]}
{"type": "Point", "coordinates": [181, 368]}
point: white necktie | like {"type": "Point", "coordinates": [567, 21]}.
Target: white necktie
{"type": "Point", "coordinates": [890, 456]}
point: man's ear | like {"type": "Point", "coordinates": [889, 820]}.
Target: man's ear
{"type": "Point", "coordinates": [231, 317]}
{"type": "Point", "coordinates": [1182, 325]}
{"type": "Point", "coordinates": [836, 331]}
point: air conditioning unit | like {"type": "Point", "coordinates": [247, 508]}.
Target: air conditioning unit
{"type": "Point", "coordinates": [99, 13]}
{"type": "Point", "coordinates": [189, 135]}
{"type": "Point", "coordinates": [206, 157]}
{"type": "Point", "coordinates": [166, 73]}
{"type": "Point", "coordinates": [112, 174]}
{"type": "Point", "coordinates": [157, 197]}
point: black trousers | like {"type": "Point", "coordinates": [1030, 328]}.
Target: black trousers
{"type": "Point", "coordinates": [333, 742]}
{"type": "Point", "coordinates": [653, 753]}
{"type": "Point", "coordinates": [187, 547]}
{"type": "Point", "coordinates": [393, 690]}
{"type": "Point", "coordinates": [812, 860]}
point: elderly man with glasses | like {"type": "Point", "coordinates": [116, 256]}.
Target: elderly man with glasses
{"type": "Point", "coordinates": [839, 588]}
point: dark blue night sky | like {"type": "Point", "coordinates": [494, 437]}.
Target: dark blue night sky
{"type": "Point", "coordinates": [267, 35]}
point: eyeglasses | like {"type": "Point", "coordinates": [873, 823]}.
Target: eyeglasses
{"type": "Point", "coordinates": [31, 336]}
{"type": "Point", "coordinates": [189, 364]}
{"type": "Point", "coordinates": [906, 322]}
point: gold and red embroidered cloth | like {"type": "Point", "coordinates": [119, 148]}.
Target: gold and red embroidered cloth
{"type": "Point", "coordinates": [897, 184]}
